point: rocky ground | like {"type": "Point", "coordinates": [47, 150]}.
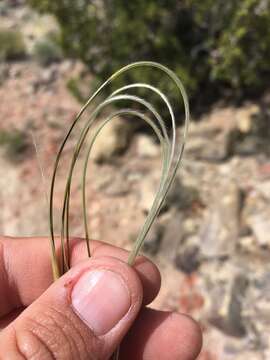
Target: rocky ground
{"type": "Point", "coordinates": [212, 239]}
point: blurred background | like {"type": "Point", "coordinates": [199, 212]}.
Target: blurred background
{"type": "Point", "coordinates": [212, 239]}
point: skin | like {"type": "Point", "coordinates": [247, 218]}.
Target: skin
{"type": "Point", "coordinates": [37, 322]}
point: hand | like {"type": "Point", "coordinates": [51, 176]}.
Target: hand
{"type": "Point", "coordinates": [89, 310]}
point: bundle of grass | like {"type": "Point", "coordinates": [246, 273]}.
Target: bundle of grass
{"type": "Point", "coordinates": [172, 146]}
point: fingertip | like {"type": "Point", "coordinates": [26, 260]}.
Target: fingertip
{"type": "Point", "coordinates": [150, 277]}
{"type": "Point", "coordinates": [106, 294]}
{"type": "Point", "coordinates": [188, 335]}
{"type": "Point", "coordinates": [145, 268]}
{"type": "Point", "coordinates": [163, 335]}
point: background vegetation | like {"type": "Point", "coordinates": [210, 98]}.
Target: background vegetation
{"type": "Point", "coordinates": [11, 45]}
{"type": "Point", "coordinates": [15, 143]}
{"type": "Point", "coordinates": [216, 46]}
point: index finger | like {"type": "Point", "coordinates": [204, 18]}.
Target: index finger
{"type": "Point", "coordinates": [25, 269]}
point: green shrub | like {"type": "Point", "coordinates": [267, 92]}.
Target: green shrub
{"type": "Point", "coordinates": [237, 41]}
{"type": "Point", "coordinates": [11, 45]}
{"type": "Point", "coordinates": [16, 144]}
{"type": "Point", "coordinates": [210, 44]}
{"type": "Point", "coordinates": [46, 51]}
{"type": "Point", "coordinates": [73, 84]}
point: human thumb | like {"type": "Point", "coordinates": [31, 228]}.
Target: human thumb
{"type": "Point", "coordinates": [83, 315]}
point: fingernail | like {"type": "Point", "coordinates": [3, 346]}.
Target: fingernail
{"type": "Point", "coordinates": [101, 299]}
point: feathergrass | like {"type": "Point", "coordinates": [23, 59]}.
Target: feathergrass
{"type": "Point", "coordinates": [172, 145]}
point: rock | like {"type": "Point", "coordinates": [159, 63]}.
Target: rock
{"type": "Point", "coordinates": [210, 143]}
{"type": "Point", "coordinates": [264, 170]}
{"type": "Point", "coordinates": [15, 72]}
{"type": "Point", "coordinates": [172, 236]}
{"type": "Point", "coordinates": [256, 214]}
{"type": "Point", "coordinates": [260, 226]}
{"type": "Point", "coordinates": [117, 186]}
{"type": "Point", "coordinates": [188, 257]}
{"type": "Point", "coordinates": [112, 140]}
{"type": "Point", "coordinates": [222, 132]}
{"type": "Point", "coordinates": [248, 245]}
{"type": "Point", "coordinates": [219, 149]}
{"type": "Point", "coordinates": [256, 309]}
{"type": "Point", "coordinates": [255, 137]}
{"type": "Point", "coordinates": [66, 66]}
{"type": "Point", "coordinates": [148, 187]}
{"type": "Point", "coordinates": [227, 306]}
{"type": "Point", "coordinates": [248, 146]}
{"type": "Point", "coordinates": [146, 147]}
{"type": "Point", "coordinates": [181, 195]}
{"type": "Point", "coordinates": [49, 75]}
{"type": "Point", "coordinates": [244, 117]}
{"type": "Point", "coordinates": [264, 189]}
{"type": "Point", "coordinates": [219, 232]}
{"type": "Point", "coordinates": [259, 293]}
